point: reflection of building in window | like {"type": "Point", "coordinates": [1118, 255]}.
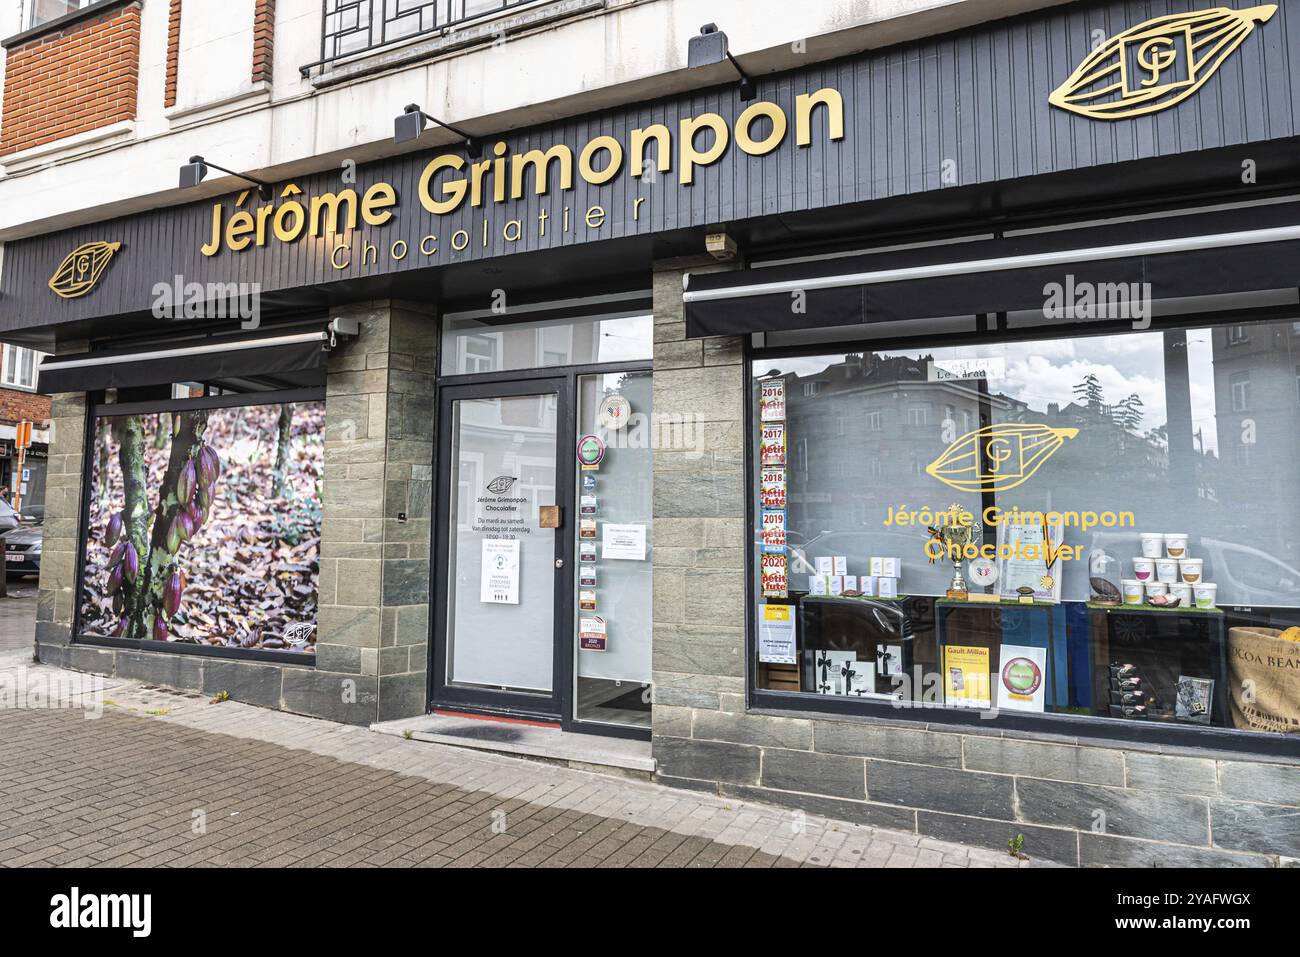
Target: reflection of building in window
{"type": "Point", "coordinates": [811, 388]}
{"type": "Point", "coordinates": [19, 367]}
{"type": "Point", "coordinates": [918, 415]}
{"type": "Point", "coordinates": [480, 354]}
{"type": "Point", "coordinates": [876, 421]}
{"type": "Point", "coordinates": [1237, 335]}
{"type": "Point", "coordinates": [1239, 384]}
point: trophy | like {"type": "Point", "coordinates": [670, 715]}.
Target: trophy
{"type": "Point", "coordinates": [955, 536]}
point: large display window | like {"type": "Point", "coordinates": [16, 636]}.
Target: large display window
{"type": "Point", "coordinates": [204, 525]}
{"type": "Point", "coordinates": [1101, 526]}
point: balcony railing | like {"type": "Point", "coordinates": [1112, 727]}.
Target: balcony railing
{"type": "Point", "coordinates": [357, 26]}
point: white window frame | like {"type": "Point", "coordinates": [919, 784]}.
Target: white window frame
{"type": "Point", "coordinates": [29, 12]}
{"type": "Point", "coordinates": [11, 376]}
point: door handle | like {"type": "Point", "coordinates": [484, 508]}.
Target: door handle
{"type": "Point", "coordinates": [559, 563]}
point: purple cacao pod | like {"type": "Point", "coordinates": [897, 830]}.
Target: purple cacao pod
{"type": "Point", "coordinates": [174, 535]}
{"type": "Point", "coordinates": [186, 524]}
{"type": "Point", "coordinates": [159, 628]}
{"type": "Point", "coordinates": [196, 515]}
{"type": "Point", "coordinates": [203, 497]}
{"type": "Point", "coordinates": [116, 555]}
{"type": "Point", "coordinates": [172, 594]}
{"type": "Point", "coordinates": [114, 530]}
{"type": "Point", "coordinates": [130, 562]}
{"type": "Point", "coordinates": [186, 482]}
{"type": "Point", "coordinates": [115, 579]}
{"type": "Point", "coordinates": [122, 624]}
{"type": "Point", "coordinates": [209, 465]}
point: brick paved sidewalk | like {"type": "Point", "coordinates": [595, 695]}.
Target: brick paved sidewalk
{"type": "Point", "coordinates": [165, 778]}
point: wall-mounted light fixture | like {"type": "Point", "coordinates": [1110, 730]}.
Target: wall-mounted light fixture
{"type": "Point", "coordinates": [409, 125]}
{"type": "Point", "coordinates": [192, 174]}
{"type": "Point", "coordinates": [711, 47]}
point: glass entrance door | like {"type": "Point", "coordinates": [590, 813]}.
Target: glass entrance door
{"type": "Point", "coordinates": [503, 548]}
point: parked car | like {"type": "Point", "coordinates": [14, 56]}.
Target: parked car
{"type": "Point", "coordinates": [22, 548]}
{"type": "Point", "coordinates": [8, 517]}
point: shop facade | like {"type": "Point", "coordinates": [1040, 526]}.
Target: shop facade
{"type": "Point", "coordinates": [907, 442]}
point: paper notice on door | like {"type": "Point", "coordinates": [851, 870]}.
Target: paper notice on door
{"type": "Point", "coordinates": [499, 581]}
{"type": "Point", "coordinates": [625, 542]}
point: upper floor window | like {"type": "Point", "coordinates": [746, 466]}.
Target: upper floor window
{"type": "Point", "coordinates": [36, 12]}
{"type": "Point", "coordinates": [19, 367]}
{"type": "Point", "coordinates": [1237, 335]}
{"type": "Point", "coordinates": [353, 26]}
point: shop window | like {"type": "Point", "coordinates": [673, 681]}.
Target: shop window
{"type": "Point", "coordinates": [204, 525]}
{"type": "Point", "coordinates": [1116, 542]}
{"type": "Point", "coordinates": [1237, 335]}
{"type": "Point", "coordinates": [482, 342]}
{"type": "Point", "coordinates": [19, 367]}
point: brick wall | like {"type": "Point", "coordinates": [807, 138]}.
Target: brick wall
{"type": "Point", "coordinates": [1076, 801]}
{"type": "Point", "coordinates": [263, 41]}
{"type": "Point", "coordinates": [75, 80]}
{"type": "Point", "coordinates": [173, 53]}
{"type": "Point", "coordinates": [19, 406]}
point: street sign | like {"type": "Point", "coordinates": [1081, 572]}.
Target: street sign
{"type": "Point", "coordinates": [24, 439]}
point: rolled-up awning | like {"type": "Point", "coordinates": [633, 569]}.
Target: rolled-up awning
{"type": "Point", "coordinates": [206, 361]}
{"type": "Point", "coordinates": [1237, 250]}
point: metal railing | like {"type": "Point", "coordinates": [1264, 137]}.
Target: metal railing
{"type": "Point", "coordinates": [356, 26]}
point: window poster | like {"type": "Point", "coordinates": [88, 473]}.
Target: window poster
{"type": "Point", "coordinates": [1031, 548]}
{"type": "Point", "coordinates": [776, 643]}
{"type": "Point", "coordinates": [772, 487]}
{"type": "Point", "coordinates": [623, 542]}
{"type": "Point", "coordinates": [1022, 678]}
{"type": "Point", "coordinates": [499, 579]}
{"type": "Point", "coordinates": [771, 401]}
{"type": "Point", "coordinates": [966, 676]}
{"type": "Point", "coordinates": [204, 527]}
{"type": "Point", "coordinates": [771, 444]}
{"type": "Point", "coordinates": [775, 581]}
{"type": "Point", "coordinates": [774, 530]}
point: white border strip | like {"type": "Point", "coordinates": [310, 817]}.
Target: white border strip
{"type": "Point", "coordinates": [242, 344]}
{"type": "Point", "coordinates": [1058, 258]}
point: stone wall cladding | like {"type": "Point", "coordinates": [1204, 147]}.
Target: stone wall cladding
{"type": "Point", "coordinates": [1079, 804]}
{"type": "Point", "coordinates": [372, 641]}
{"type": "Point", "coordinates": [1075, 802]}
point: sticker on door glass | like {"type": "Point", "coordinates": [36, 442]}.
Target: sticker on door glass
{"type": "Point", "coordinates": [499, 581]}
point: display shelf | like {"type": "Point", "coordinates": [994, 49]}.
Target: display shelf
{"type": "Point", "coordinates": [1000, 603]}
{"type": "Point", "coordinates": [1151, 609]}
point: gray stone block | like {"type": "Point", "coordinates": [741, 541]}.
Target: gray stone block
{"type": "Point", "coordinates": [1123, 812]}
{"type": "Point", "coordinates": [1260, 828]}
{"type": "Point", "coordinates": [699, 649]}
{"type": "Point", "coordinates": [753, 729]}
{"type": "Point", "coordinates": [403, 696]}
{"type": "Point", "coordinates": [1054, 761]}
{"type": "Point", "coordinates": [814, 773]}
{"type": "Point", "coordinates": [940, 789]}
{"type": "Point", "coordinates": [350, 699]}
{"type": "Point", "coordinates": [670, 721]}
{"type": "Point", "coordinates": [1041, 843]}
{"type": "Point", "coordinates": [1099, 850]}
{"type": "Point", "coordinates": [249, 682]}
{"type": "Point", "coordinates": [689, 784]}
{"type": "Point", "coordinates": [345, 659]}
{"type": "Point", "coordinates": [882, 741]}
{"type": "Point", "coordinates": [161, 667]}
{"type": "Point", "coordinates": [837, 809]}
{"type": "Point", "coordinates": [706, 760]}
{"type": "Point", "coordinates": [96, 661]}
{"type": "Point", "coordinates": [406, 581]}
{"type": "Point", "coordinates": [1257, 781]}
{"type": "Point", "coordinates": [1165, 772]}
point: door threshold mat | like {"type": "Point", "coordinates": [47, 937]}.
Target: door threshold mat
{"type": "Point", "coordinates": [525, 740]}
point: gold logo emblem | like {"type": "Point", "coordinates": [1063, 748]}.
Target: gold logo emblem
{"type": "Point", "coordinates": [81, 269]}
{"type": "Point", "coordinates": [997, 457]}
{"type": "Point", "coordinates": [1156, 64]}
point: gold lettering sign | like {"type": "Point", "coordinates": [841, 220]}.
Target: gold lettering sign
{"type": "Point", "coordinates": [448, 182]}
{"type": "Point", "coordinates": [1156, 64]}
{"type": "Point", "coordinates": [997, 457]}
{"type": "Point", "coordinates": [81, 269]}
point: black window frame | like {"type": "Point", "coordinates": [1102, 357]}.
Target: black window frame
{"type": "Point", "coordinates": [1084, 729]}
{"type": "Point", "coordinates": [99, 409]}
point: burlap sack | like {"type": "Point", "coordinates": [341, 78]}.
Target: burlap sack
{"type": "Point", "coordinates": [1263, 680]}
